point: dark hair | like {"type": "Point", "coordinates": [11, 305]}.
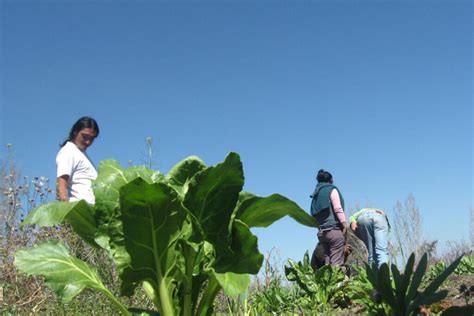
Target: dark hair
{"type": "Point", "coordinates": [83, 122]}
{"type": "Point", "coordinates": [324, 176]}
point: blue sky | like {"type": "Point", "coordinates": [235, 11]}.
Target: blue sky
{"type": "Point", "coordinates": [377, 92]}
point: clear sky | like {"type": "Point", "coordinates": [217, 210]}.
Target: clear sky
{"type": "Point", "coordinates": [377, 92]}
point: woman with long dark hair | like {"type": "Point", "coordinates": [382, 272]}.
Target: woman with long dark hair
{"type": "Point", "coordinates": [75, 171]}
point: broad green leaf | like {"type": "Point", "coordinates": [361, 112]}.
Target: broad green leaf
{"type": "Point", "coordinates": [66, 275]}
{"type": "Point", "coordinates": [264, 211]}
{"type": "Point", "coordinates": [211, 198]}
{"type": "Point", "coordinates": [245, 257]}
{"type": "Point", "coordinates": [233, 284]}
{"type": "Point", "coordinates": [111, 178]}
{"type": "Point", "coordinates": [79, 214]}
{"type": "Point", "coordinates": [152, 218]}
{"type": "Point", "coordinates": [183, 171]}
{"type": "Point", "coordinates": [110, 236]}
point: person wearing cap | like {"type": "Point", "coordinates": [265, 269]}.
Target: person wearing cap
{"type": "Point", "coordinates": [371, 225]}
{"type": "Point", "coordinates": [327, 207]}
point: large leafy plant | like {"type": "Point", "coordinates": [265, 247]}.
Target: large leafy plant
{"type": "Point", "coordinates": [183, 236]}
{"type": "Point", "coordinates": [401, 291]}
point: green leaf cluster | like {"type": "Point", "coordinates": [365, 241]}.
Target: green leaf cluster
{"type": "Point", "coordinates": [320, 285]}
{"type": "Point", "coordinates": [183, 236]}
{"type": "Point", "coordinates": [400, 291]}
{"type": "Point", "coordinates": [432, 272]}
{"type": "Point", "coordinates": [466, 266]}
{"type": "Point", "coordinates": [275, 298]}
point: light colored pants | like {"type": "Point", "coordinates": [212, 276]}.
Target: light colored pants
{"type": "Point", "coordinates": [373, 230]}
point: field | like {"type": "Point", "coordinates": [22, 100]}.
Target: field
{"type": "Point", "coordinates": [181, 243]}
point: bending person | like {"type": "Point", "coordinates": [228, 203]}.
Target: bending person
{"type": "Point", "coordinates": [372, 227]}
{"type": "Point", "coordinates": [75, 171]}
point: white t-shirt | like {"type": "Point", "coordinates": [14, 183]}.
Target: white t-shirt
{"type": "Point", "coordinates": [71, 161]}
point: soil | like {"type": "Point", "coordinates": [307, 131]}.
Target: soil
{"type": "Point", "coordinates": [456, 297]}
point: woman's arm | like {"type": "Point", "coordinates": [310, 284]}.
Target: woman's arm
{"type": "Point", "coordinates": [62, 183]}
{"type": "Point", "coordinates": [338, 210]}
{"type": "Point", "coordinates": [337, 207]}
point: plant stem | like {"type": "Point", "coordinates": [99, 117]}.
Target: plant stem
{"type": "Point", "coordinates": [116, 302]}
{"type": "Point", "coordinates": [166, 303]}
{"type": "Point", "coordinates": [189, 257]}
{"type": "Point", "coordinates": [207, 301]}
{"type": "Point", "coordinates": [166, 300]}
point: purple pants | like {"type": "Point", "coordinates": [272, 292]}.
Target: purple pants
{"type": "Point", "coordinates": [333, 242]}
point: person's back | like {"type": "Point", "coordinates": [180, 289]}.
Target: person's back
{"type": "Point", "coordinates": [327, 206]}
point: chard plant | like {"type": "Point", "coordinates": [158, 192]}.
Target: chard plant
{"type": "Point", "coordinates": [320, 285]}
{"type": "Point", "coordinates": [401, 291]}
{"type": "Point", "coordinates": [182, 236]}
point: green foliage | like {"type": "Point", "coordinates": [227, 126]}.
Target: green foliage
{"type": "Point", "coordinates": [182, 237]}
{"type": "Point", "coordinates": [320, 285]}
{"type": "Point", "coordinates": [360, 292]}
{"type": "Point", "coordinates": [274, 298]}
{"type": "Point", "coordinates": [433, 272]}
{"type": "Point", "coordinates": [466, 266]}
{"type": "Point", "coordinates": [271, 294]}
{"type": "Point", "coordinates": [400, 291]}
